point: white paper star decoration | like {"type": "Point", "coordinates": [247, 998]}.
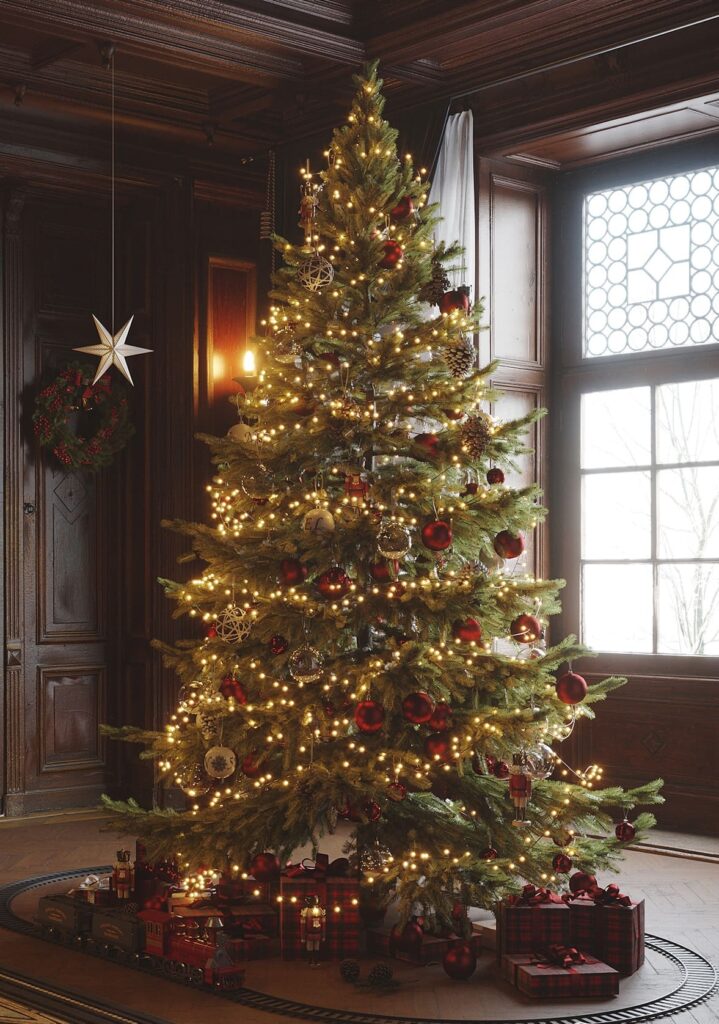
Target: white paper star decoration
{"type": "Point", "coordinates": [112, 350]}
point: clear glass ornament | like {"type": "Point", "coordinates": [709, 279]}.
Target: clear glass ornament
{"type": "Point", "coordinates": [233, 624]}
{"type": "Point", "coordinates": [540, 761]}
{"type": "Point", "coordinates": [394, 540]}
{"type": "Point", "coordinates": [305, 664]}
{"type": "Point", "coordinates": [220, 762]}
{"type": "Point", "coordinates": [193, 781]}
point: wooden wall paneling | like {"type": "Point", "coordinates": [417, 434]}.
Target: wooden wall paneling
{"type": "Point", "coordinates": [71, 705]}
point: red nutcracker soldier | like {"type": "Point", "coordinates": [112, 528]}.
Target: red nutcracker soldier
{"type": "Point", "coordinates": [520, 790]}
{"type": "Point", "coordinates": [313, 927]}
{"type": "Point", "coordinates": [123, 876]}
{"type": "Point", "coordinates": [356, 485]}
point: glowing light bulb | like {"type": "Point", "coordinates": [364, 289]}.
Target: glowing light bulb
{"type": "Point", "coordinates": [249, 368]}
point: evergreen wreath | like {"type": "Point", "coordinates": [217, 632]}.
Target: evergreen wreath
{"type": "Point", "coordinates": [103, 418]}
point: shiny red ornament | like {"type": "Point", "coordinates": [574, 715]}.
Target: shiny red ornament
{"type": "Point", "coordinates": [372, 810]}
{"type": "Point", "coordinates": [571, 688]}
{"type": "Point", "coordinates": [278, 644]}
{"type": "Point", "coordinates": [625, 831]}
{"type": "Point", "coordinates": [525, 629]}
{"type": "Point", "coordinates": [403, 209]}
{"type": "Point", "coordinates": [489, 853]}
{"type": "Point", "coordinates": [470, 488]}
{"type": "Point", "coordinates": [456, 299]}
{"type": "Point", "coordinates": [500, 770]}
{"type": "Point", "coordinates": [438, 745]}
{"type": "Point", "coordinates": [264, 867]}
{"type": "Point", "coordinates": [562, 863]}
{"type": "Point", "coordinates": [477, 763]}
{"type": "Point", "coordinates": [211, 632]}
{"type": "Point", "coordinates": [333, 582]}
{"type": "Point", "coordinates": [393, 253]}
{"type": "Point", "coordinates": [429, 442]}
{"type": "Point", "coordinates": [460, 961]}
{"type": "Point", "coordinates": [417, 707]}
{"type": "Point", "coordinates": [437, 535]}
{"type": "Point", "coordinates": [381, 572]}
{"type": "Point", "coordinates": [467, 630]}
{"type": "Point", "coordinates": [292, 571]}
{"type": "Point", "coordinates": [441, 719]}
{"type": "Point", "coordinates": [397, 791]}
{"type": "Point", "coordinates": [495, 475]}
{"type": "Point", "coordinates": [509, 545]}
{"type": "Point", "coordinates": [369, 716]}
{"type": "Point", "coordinates": [580, 881]}
{"type": "Point", "coordinates": [454, 414]}
{"type": "Point", "coordinates": [232, 687]}
{"type": "Point", "coordinates": [250, 766]}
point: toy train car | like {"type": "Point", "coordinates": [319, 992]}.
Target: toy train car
{"type": "Point", "coordinates": [145, 939]}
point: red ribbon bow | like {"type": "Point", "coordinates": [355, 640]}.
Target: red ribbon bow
{"type": "Point", "coordinates": [532, 896]}
{"type": "Point", "coordinates": [315, 868]}
{"type": "Point", "coordinates": [611, 896]}
{"type": "Point", "coordinates": [560, 956]}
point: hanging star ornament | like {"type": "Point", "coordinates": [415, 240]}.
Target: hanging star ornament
{"type": "Point", "coordinates": [113, 351]}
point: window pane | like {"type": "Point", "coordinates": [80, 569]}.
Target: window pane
{"type": "Point", "coordinates": [649, 265]}
{"type": "Point", "coordinates": [617, 608]}
{"type": "Point", "coordinates": [616, 515]}
{"type": "Point", "coordinates": [687, 422]}
{"type": "Point", "coordinates": [689, 609]}
{"type": "Point", "coordinates": [616, 428]}
{"type": "Point", "coordinates": [688, 512]}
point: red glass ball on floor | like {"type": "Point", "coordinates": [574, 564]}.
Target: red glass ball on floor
{"type": "Point", "coordinates": [292, 571]}
{"type": "Point", "coordinates": [369, 716]}
{"type": "Point", "coordinates": [403, 209]}
{"type": "Point", "coordinates": [625, 831]}
{"type": "Point", "coordinates": [509, 545]}
{"type": "Point", "coordinates": [580, 881]}
{"type": "Point", "coordinates": [417, 707]}
{"type": "Point", "coordinates": [437, 535]}
{"type": "Point", "coordinates": [525, 629]}
{"type": "Point", "coordinates": [495, 475]}
{"type": "Point", "coordinates": [460, 961]}
{"type": "Point", "coordinates": [562, 863]}
{"type": "Point", "coordinates": [278, 644]}
{"type": "Point", "coordinates": [571, 688]}
{"type": "Point", "coordinates": [393, 253]}
{"type": "Point", "coordinates": [467, 630]}
{"type": "Point", "coordinates": [441, 718]}
{"type": "Point", "coordinates": [333, 582]}
{"type": "Point", "coordinates": [264, 867]}
{"type": "Point", "coordinates": [438, 745]}
{"type": "Point", "coordinates": [456, 299]}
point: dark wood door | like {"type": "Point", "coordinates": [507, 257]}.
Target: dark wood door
{"type": "Point", "coordinates": [59, 583]}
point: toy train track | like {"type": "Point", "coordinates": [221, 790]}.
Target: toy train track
{"type": "Point", "coordinates": [697, 980]}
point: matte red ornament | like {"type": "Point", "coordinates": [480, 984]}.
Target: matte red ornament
{"type": "Point", "coordinates": [489, 853]}
{"type": "Point", "coordinates": [467, 630]}
{"type": "Point", "coordinates": [454, 414]}
{"type": "Point", "coordinates": [393, 253]}
{"type": "Point", "coordinates": [625, 831]}
{"type": "Point", "coordinates": [369, 716]}
{"type": "Point", "coordinates": [430, 442]}
{"type": "Point", "coordinates": [571, 688]}
{"type": "Point", "coordinates": [441, 719]}
{"type": "Point", "coordinates": [460, 961]}
{"type": "Point", "coordinates": [250, 766]}
{"type": "Point", "coordinates": [278, 644]}
{"type": "Point", "coordinates": [292, 571]}
{"type": "Point", "coordinates": [562, 863]}
{"type": "Point", "coordinates": [580, 881]}
{"type": "Point", "coordinates": [509, 545]}
{"type": "Point", "coordinates": [381, 571]}
{"type": "Point", "coordinates": [495, 475]}
{"type": "Point", "coordinates": [437, 535]}
{"type": "Point", "coordinates": [397, 791]}
{"type": "Point", "coordinates": [500, 770]}
{"type": "Point", "coordinates": [333, 582]}
{"type": "Point", "coordinates": [456, 299]}
{"type": "Point", "coordinates": [372, 810]}
{"type": "Point", "coordinates": [264, 867]}
{"type": "Point", "coordinates": [403, 209]}
{"type": "Point", "coordinates": [417, 707]}
{"type": "Point", "coordinates": [470, 488]}
{"type": "Point", "coordinates": [438, 745]}
{"type": "Point", "coordinates": [525, 629]}
{"type": "Point", "coordinates": [411, 936]}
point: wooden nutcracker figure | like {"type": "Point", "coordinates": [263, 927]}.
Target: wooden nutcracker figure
{"type": "Point", "coordinates": [356, 485]}
{"type": "Point", "coordinates": [520, 789]}
{"type": "Point", "coordinates": [313, 927]}
{"type": "Point", "coordinates": [123, 876]}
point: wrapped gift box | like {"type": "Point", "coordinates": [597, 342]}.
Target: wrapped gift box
{"type": "Point", "coordinates": [535, 976]}
{"type": "Point", "coordinates": [254, 919]}
{"type": "Point", "coordinates": [537, 919]}
{"type": "Point", "coordinates": [340, 898]}
{"type": "Point", "coordinates": [611, 927]}
{"type": "Point", "coordinates": [429, 951]}
{"type": "Point", "coordinates": [257, 947]}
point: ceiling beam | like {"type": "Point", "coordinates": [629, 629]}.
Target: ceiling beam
{"type": "Point", "coordinates": [51, 51]}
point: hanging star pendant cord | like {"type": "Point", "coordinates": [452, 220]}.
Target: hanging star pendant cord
{"type": "Point", "coordinates": [113, 350]}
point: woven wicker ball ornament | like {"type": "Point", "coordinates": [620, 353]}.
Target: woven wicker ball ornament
{"type": "Point", "coordinates": [233, 624]}
{"type": "Point", "coordinates": [305, 664]}
{"type": "Point", "coordinates": [315, 273]}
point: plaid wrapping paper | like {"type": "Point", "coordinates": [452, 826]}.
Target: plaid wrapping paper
{"type": "Point", "coordinates": [258, 947]}
{"type": "Point", "coordinates": [343, 927]}
{"type": "Point", "coordinates": [592, 979]}
{"type": "Point", "coordinates": [610, 931]}
{"type": "Point", "coordinates": [255, 919]}
{"type": "Point", "coordinates": [522, 928]}
{"type": "Point", "coordinates": [431, 949]}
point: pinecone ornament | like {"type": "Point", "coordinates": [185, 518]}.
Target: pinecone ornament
{"type": "Point", "coordinates": [460, 358]}
{"type": "Point", "coordinates": [475, 434]}
{"type": "Point", "coordinates": [434, 289]}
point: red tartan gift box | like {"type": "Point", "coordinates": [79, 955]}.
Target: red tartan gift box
{"type": "Point", "coordinates": [610, 926]}
{"type": "Point", "coordinates": [539, 976]}
{"type": "Point", "coordinates": [258, 947]}
{"type": "Point", "coordinates": [537, 919]}
{"type": "Point", "coordinates": [340, 898]}
{"type": "Point", "coordinates": [431, 949]}
{"type": "Point", "coordinates": [254, 919]}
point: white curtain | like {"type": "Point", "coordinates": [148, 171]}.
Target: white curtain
{"type": "Point", "coordinates": [453, 188]}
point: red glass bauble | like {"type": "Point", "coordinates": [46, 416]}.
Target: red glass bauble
{"type": "Point", "coordinates": [625, 831]}
{"type": "Point", "coordinates": [437, 535]}
{"type": "Point", "coordinates": [265, 867]}
{"type": "Point", "coordinates": [460, 961]}
{"type": "Point", "coordinates": [525, 629]}
{"type": "Point", "coordinates": [490, 760]}
{"type": "Point", "coordinates": [467, 630]}
{"type": "Point", "coordinates": [495, 475]}
{"type": "Point", "coordinates": [278, 644]}
{"type": "Point", "coordinates": [397, 791]}
{"type": "Point", "coordinates": [232, 687]}
{"type": "Point", "coordinates": [211, 632]}
{"type": "Point", "coordinates": [250, 766]}
{"type": "Point", "coordinates": [292, 571]}
{"type": "Point", "coordinates": [580, 881]}
{"type": "Point", "coordinates": [429, 442]}
{"type": "Point", "coordinates": [441, 719]}
{"type": "Point", "coordinates": [411, 937]}
{"type": "Point", "coordinates": [372, 810]}
{"type": "Point", "coordinates": [489, 853]}
{"type": "Point", "coordinates": [403, 209]}
{"type": "Point", "coordinates": [571, 688]}
{"type": "Point", "coordinates": [509, 545]}
{"type": "Point", "coordinates": [457, 299]}
{"type": "Point", "coordinates": [562, 863]}
{"type": "Point", "coordinates": [380, 572]}
{"type": "Point", "coordinates": [562, 838]}
{"type": "Point", "coordinates": [333, 582]}
{"type": "Point", "coordinates": [454, 414]}
{"type": "Point", "coordinates": [438, 745]}
{"type": "Point", "coordinates": [477, 763]}
{"type": "Point", "coordinates": [470, 488]}
{"type": "Point", "coordinates": [393, 253]}
{"type": "Point", "coordinates": [500, 770]}
{"type": "Point", "coordinates": [417, 707]}
{"type": "Point", "coordinates": [369, 716]}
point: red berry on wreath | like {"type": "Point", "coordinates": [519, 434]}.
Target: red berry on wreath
{"type": "Point", "coordinates": [509, 545]}
{"type": "Point", "coordinates": [441, 719]}
{"type": "Point", "coordinates": [467, 630]}
{"type": "Point", "coordinates": [456, 299]}
{"type": "Point", "coordinates": [417, 707]}
{"type": "Point", "coordinates": [403, 209]}
{"type": "Point", "coordinates": [571, 688]}
{"type": "Point", "coordinates": [437, 535]}
{"type": "Point", "coordinates": [525, 629]}
{"type": "Point", "coordinates": [278, 644]}
{"type": "Point", "coordinates": [429, 442]}
{"type": "Point", "coordinates": [333, 582]}
{"type": "Point", "coordinates": [581, 882]}
{"type": "Point", "coordinates": [393, 253]}
{"type": "Point", "coordinates": [460, 961]}
{"type": "Point", "coordinates": [625, 832]}
{"type": "Point", "coordinates": [489, 853]}
{"type": "Point", "coordinates": [562, 863]}
{"type": "Point", "coordinates": [292, 571]}
{"type": "Point", "coordinates": [438, 746]}
{"type": "Point", "coordinates": [495, 475]}
{"type": "Point", "coordinates": [264, 867]}
{"type": "Point", "coordinates": [369, 716]}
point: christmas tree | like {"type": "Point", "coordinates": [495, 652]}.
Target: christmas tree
{"type": "Point", "coordinates": [367, 648]}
